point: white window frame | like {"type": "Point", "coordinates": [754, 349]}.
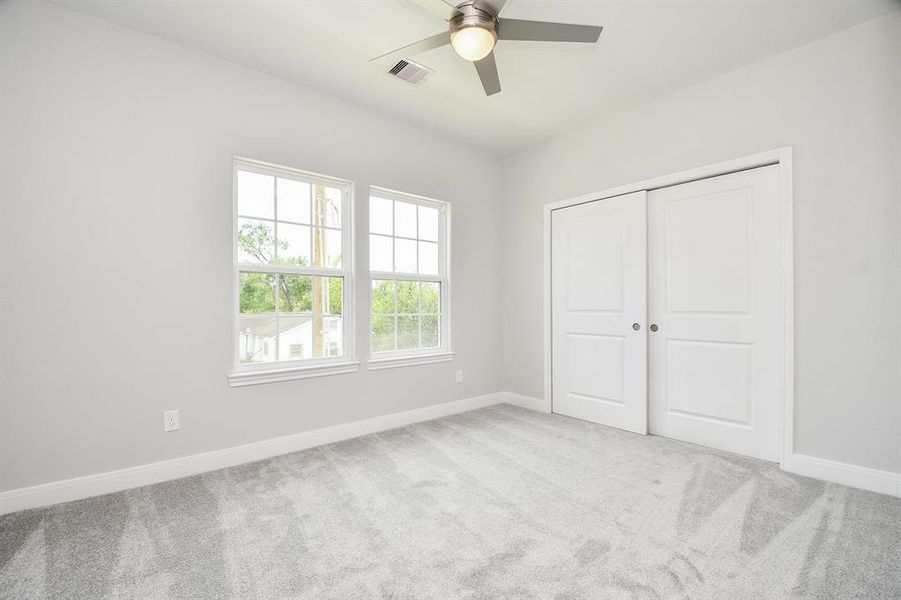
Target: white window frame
{"type": "Point", "coordinates": [400, 358]}
{"type": "Point", "coordinates": [285, 370]}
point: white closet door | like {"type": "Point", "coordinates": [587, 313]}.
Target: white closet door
{"type": "Point", "coordinates": [599, 290]}
{"type": "Point", "coordinates": [716, 298]}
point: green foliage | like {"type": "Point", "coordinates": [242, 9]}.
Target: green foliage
{"type": "Point", "coordinates": [412, 297]}
{"type": "Point", "coordinates": [407, 297]}
{"type": "Point", "coordinates": [417, 324]}
{"type": "Point", "coordinates": [431, 298]}
{"type": "Point", "coordinates": [407, 332]}
{"type": "Point", "coordinates": [335, 295]}
{"type": "Point", "coordinates": [296, 292]}
{"type": "Point", "coordinates": [258, 241]}
{"type": "Point", "coordinates": [257, 292]}
{"type": "Point", "coordinates": [382, 297]}
{"type": "Point", "coordinates": [382, 333]}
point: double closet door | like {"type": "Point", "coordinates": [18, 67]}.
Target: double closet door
{"type": "Point", "coordinates": [667, 312]}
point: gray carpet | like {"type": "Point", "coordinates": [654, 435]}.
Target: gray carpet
{"type": "Point", "coordinates": [496, 503]}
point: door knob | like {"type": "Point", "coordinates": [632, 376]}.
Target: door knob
{"type": "Point", "coordinates": [654, 327]}
{"type": "Point", "coordinates": [636, 326]}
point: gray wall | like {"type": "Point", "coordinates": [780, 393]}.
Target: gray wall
{"type": "Point", "coordinates": [116, 251]}
{"type": "Point", "coordinates": [837, 101]}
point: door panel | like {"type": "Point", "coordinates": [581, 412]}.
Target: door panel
{"type": "Point", "coordinates": [599, 289]}
{"type": "Point", "coordinates": [596, 236]}
{"type": "Point", "coordinates": [709, 379]}
{"type": "Point", "coordinates": [707, 253]}
{"type": "Point", "coordinates": [715, 281]}
{"type": "Point", "coordinates": [595, 366]}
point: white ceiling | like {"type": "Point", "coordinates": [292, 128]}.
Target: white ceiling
{"type": "Point", "coordinates": [648, 48]}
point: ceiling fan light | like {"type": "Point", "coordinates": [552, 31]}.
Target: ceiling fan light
{"type": "Point", "coordinates": [473, 43]}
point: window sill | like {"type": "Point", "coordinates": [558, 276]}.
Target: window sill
{"type": "Point", "coordinates": [243, 378]}
{"type": "Point", "coordinates": [395, 362]}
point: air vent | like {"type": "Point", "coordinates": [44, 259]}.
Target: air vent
{"type": "Point", "coordinates": [410, 71]}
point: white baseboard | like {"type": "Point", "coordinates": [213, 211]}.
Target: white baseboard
{"type": "Point", "coordinates": [525, 401]}
{"type": "Point", "coordinates": [114, 481]}
{"type": "Point", "coordinates": [865, 478]}
{"type": "Point", "coordinates": [77, 488]}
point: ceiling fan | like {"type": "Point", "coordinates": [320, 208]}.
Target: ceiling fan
{"type": "Point", "coordinates": [474, 28]}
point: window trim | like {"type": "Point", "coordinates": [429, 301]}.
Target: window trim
{"type": "Point", "coordinates": [284, 370]}
{"type": "Point", "coordinates": [418, 356]}
{"type": "Point", "coordinates": [423, 358]}
{"type": "Point", "coordinates": [245, 378]}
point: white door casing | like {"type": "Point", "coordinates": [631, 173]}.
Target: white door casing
{"type": "Point", "coordinates": [716, 363]}
{"type": "Point", "coordinates": [598, 291]}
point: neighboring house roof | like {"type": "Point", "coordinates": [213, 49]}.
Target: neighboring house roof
{"type": "Point", "coordinates": [266, 328]}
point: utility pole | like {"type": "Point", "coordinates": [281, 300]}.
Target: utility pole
{"type": "Point", "coordinates": [318, 296]}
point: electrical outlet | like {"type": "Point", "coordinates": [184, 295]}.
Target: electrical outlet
{"type": "Point", "coordinates": [170, 421]}
{"type": "Point", "coordinates": [459, 375]}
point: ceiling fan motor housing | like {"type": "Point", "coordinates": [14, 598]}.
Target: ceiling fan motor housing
{"type": "Point", "coordinates": [471, 16]}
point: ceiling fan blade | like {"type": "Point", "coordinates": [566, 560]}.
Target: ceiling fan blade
{"type": "Point", "coordinates": [487, 70]}
{"type": "Point", "coordinates": [542, 31]}
{"type": "Point", "coordinates": [442, 8]}
{"type": "Point", "coordinates": [436, 41]}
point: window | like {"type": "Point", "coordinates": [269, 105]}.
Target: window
{"type": "Point", "coordinates": [409, 285]}
{"type": "Point", "coordinates": [292, 273]}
